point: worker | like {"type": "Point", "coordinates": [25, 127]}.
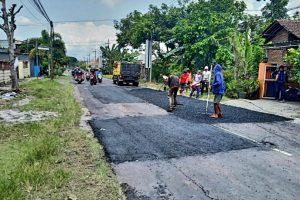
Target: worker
{"type": "Point", "coordinates": [183, 81]}
{"type": "Point", "coordinates": [205, 80]}
{"type": "Point", "coordinates": [173, 82]}
{"type": "Point", "coordinates": [218, 90]}
{"type": "Point", "coordinates": [196, 84]}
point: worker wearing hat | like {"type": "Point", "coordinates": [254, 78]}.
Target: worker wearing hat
{"type": "Point", "coordinates": [173, 82]}
{"type": "Point", "coordinates": [205, 80]}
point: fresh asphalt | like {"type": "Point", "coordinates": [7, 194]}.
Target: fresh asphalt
{"type": "Point", "coordinates": [185, 155]}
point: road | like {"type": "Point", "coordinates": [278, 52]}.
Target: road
{"type": "Point", "coordinates": [186, 155]}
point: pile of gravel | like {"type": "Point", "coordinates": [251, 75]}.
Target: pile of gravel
{"type": "Point", "coordinates": [194, 110]}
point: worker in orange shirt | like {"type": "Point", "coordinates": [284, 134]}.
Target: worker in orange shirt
{"type": "Point", "coordinates": [183, 80]}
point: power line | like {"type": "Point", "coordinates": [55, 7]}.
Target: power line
{"type": "Point", "coordinates": [88, 20]}
{"type": "Point", "coordinates": [30, 12]}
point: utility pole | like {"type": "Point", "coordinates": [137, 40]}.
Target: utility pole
{"type": "Point", "coordinates": [95, 51]}
{"type": "Point", "coordinates": [36, 54]}
{"type": "Point", "coordinates": [148, 59]}
{"type": "Point", "coordinates": [89, 62]}
{"type": "Point", "coordinates": [107, 43]}
{"type": "Point", "coordinates": [51, 50]}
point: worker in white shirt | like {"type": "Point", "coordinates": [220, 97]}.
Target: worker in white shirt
{"type": "Point", "coordinates": [205, 80]}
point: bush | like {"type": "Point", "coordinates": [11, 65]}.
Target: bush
{"type": "Point", "coordinates": [249, 86]}
{"type": "Point", "coordinates": [232, 89]}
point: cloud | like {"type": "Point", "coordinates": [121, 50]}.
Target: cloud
{"type": "Point", "coordinates": [82, 38]}
{"type": "Point", "coordinates": [110, 3]}
{"type": "Point", "coordinates": [21, 20]}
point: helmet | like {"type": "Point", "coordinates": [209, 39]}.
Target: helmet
{"type": "Point", "coordinates": [206, 67]}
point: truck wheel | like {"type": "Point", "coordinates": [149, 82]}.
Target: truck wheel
{"type": "Point", "coordinates": [119, 82]}
{"type": "Point", "coordinates": [136, 84]}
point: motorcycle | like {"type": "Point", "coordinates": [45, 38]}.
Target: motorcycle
{"type": "Point", "coordinates": [93, 79]}
{"type": "Point", "coordinates": [292, 94]}
{"type": "Point", "coordinates": [99, 77]}
{"type": "Point", "coordinates": [79, 78]}
{"type": "Point", "coordinates": [87, 76]}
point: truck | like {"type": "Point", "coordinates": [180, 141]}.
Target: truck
{"type": "Point", "coordinates": [125, 72]}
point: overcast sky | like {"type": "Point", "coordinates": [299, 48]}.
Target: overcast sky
{"type": "Point", "coordinates": [82, 38]}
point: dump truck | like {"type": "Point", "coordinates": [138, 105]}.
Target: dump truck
{"type": "Point", "coordinates": [124, 72]}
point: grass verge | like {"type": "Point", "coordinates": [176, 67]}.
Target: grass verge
{"type": "Point", "coordinates": [54, 158]}
{"type": "Point", "coordinates": [108, 76]}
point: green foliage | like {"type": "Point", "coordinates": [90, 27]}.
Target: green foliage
{"type": "Point", "coordinates": [59, 50]}
{"type": "Point", "coordinates": [43, 160]}
{"type": "Point", "coordinates": [232, 89]}
{"type": "Point", "coordinates": [293, 58]}
{"type": "Point", "coordinates": [275, 9]}
{"type": "Point", "coordinates": [116, 53]}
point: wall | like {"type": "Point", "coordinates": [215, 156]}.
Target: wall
{"type": "Point", "coordinates": [276, 56]}
{"type": "Point", "coordinates": [281, 36]}
{"type": "Point", "coordinates": [4, 73]}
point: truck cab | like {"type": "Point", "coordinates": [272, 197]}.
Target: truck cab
{"type": "Point", "coordinates": [125, 72]}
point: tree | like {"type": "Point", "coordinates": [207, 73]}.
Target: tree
{"type": "Point", "coordinates": [275, 9]}
{"type": "Point", "coordinates": [59, 49]}
{"type": "Point", "coordinates": [116, 53]}
{"type": "Point", "coordinates": [293, 58]}
{"type": "Point", "coordinates": [9, 27]}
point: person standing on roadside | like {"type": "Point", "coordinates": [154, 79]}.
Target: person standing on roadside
{"type": "Point", "coordinates": [189, 80]}
{"type": "Point", "coordinates": [196, 84]}
{"type": "Point", "coordinates": [205, 80]}
{"type": "Point", "coordinates": [281, 80]}
{"type": "Point", "coordinates": [173, 82]}
{"type": "Point", "coordinates": [183, 81]}
{"type": "Point", "coordinates": [218, 91]}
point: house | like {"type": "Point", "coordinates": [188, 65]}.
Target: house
{"type": "Point", "coordinates": [280, 36]}
{"type": "Point", "coordinates": [23, 70]}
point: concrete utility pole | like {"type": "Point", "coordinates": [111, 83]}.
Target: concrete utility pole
{"type": "Point", "coordinates": [95, 51]}
{"type": "Point", "coordinates": [100, 59]}
{"type": "Point", "coordinates": [148, 59]}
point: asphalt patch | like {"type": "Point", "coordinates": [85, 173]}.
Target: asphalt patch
{"type": "Point", "coordinates": [115, 95]}
{"type": "Point", "coordinates": [194, 110]}
{"type": "Point", "coordinates": [162, 137]}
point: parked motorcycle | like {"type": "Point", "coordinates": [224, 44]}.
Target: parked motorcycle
{"type": "Point", "coordinates": [292, 94]}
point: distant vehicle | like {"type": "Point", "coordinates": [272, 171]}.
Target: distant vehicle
{"type": "Point", "coordinates": [124, 72]}
{"type": "Point", "coordinates": [79, 77]}
{"type": "Point", "coordinates": [99, 76]}
{"type": "Point", "coordinates": [93, 77]}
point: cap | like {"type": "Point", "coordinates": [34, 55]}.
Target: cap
{"type": "Point", "coordinates": [206, 67]}
{"type": "Point", "coordinates": [199, 71]}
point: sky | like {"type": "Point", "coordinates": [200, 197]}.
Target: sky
{"type": "Point", "coordinates": [86, 24]}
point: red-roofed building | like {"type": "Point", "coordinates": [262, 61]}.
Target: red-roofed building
{"type": "Point", "coordinates": [280, 36]}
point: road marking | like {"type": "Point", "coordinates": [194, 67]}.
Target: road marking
{"type": "Point", "coordinates": [255, 141]}
{"type": "Point", "coordinates": [242, 136]}
{"type": "Point", "coordinates": [283, 152]}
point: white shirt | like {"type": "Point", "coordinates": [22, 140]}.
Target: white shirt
{"type": "Point", "coordinates": [197, 78]}
{"type": "Point", "coordinates": [206, 75]}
